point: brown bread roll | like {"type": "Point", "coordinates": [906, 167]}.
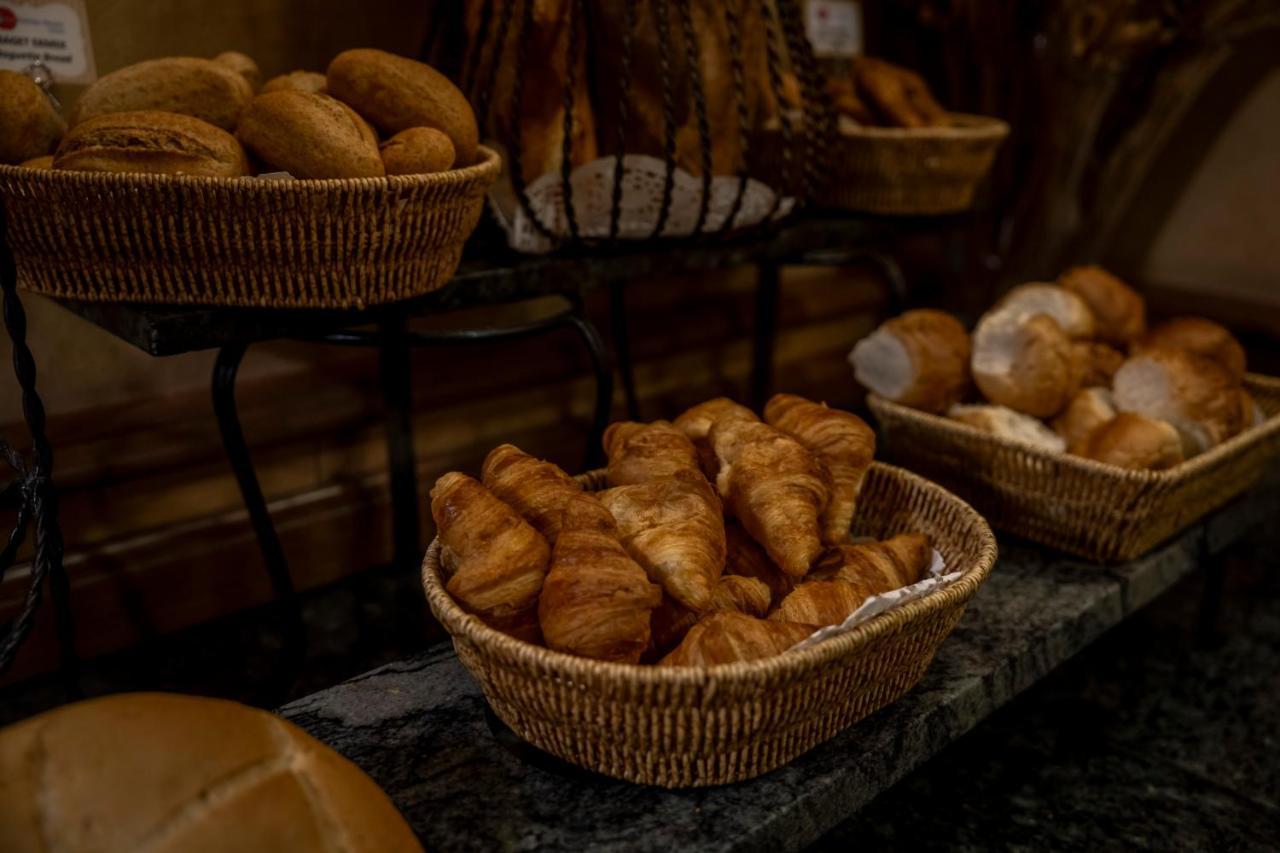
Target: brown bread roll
{"type": "Point", "coordinates": [1025, 362]}
{"type": "Point", "coordinates": [310, 136]}
{"type": "Point", "coordinates": [201, 88]}
{"type": "Point", "coordinates": [417, 151]}
{"type": "Point", "coordinates": [396, 94]}
{"type": "Point", "coordinates": [29, 125]}
{"type": "Point", "coordinates": [1095, 363]}
{"type": "Point", "coordinates": [44, 162]}
{"type": "Point", "coordinates": [1067, 309]}
{"type": "Point", "coordinates": [149, 141]}
{"type": "Point", "coordinates": [1130, 440]}
{"type": "Point", "coordinates": [1201, 337]}
{"type": "Point", "coordinates": [1089, 409]}
{"type": "Point", "coordinates": [163, 772]}
{"type": "Point", "coordinates": [1121, 314]}
{"type": "Point", "coordinates": [920, 359]}
{"type": "Point", "coordinates": [242, 65]}
{"type": "Point", "coordinates": [303, 81]}
{"type": "Point", "coordinates": [1198, 396]}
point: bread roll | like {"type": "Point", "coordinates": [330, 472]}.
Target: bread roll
{"type": "Point", "coordinates": [1096, 363]}
{"type": "Point", "coordinates": [1025, 363]}
{"type": "Point", "coordinates": [920, 359]}
{"type": "Point", "coordinates": [1070, 312]}
{"type": "Point", "coordinates": [1120, 313]}
{"type": "Point", "coordinates": [1010, 425]}
{"type": "Point", "coordinates": [310, 136]}
{"type": "Point", "coordinates": [44, 162]}
{"type": "Point", "coordinates": [1251, 414]}
{"type": "Point", "coordinates": [1089, 409]}
{"type": "Point", "coordinates": [1201, 337]}
{"type": "Point", "coordinates": [397, 93]}
{"type": "Point", "coordinates": [1196, 395]}
{"type": "Point", "coordinates": [1130, 440]}
{"type": "Point", "coordinates": [202, 88]}
{"type": "Point", "coordinates": [29, 125]}
{"type": "Point", "coordinates": [303, 81]}
{"type": "Point", "coordinates": [417, 151]}
{"type": "Point", "coordinates": [148, 141]}
{"type": "Point", "coordinates": [163, 772]}
{"type": "Point", "coordinates": [242, 65]}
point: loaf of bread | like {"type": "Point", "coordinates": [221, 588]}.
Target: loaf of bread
{"type": "Point", "coordinates": [1201, 337]}
{"type": "Point", "coordinates": [1120, 313]}
{"type": "Point", "coordinates": [1096, 363]}
{"type": "Point", "coordinates": [1197, 396]}
{"type": "Point", "coordinates": [310, 136]}
{"type": "Point", "coordinates": [1010, 425]}
{"type": "Point", "coordinates": [304, 81]}
{"type": "Point", "coordinates": [1025, 362]}
{"type": "Point", "coordinates": [1069, 311]}
{"type": "Point", "coordinates": [44, 162]}
{"type": "Point", "coordinates": [29, 125]}
{"type": "Point", "coordinates": [1130, 440]}
{"type": "Point", "coordinates": [396, 93]}
{"type": "Point", "coordinates": [242, 65]}
{"type": "Point", "coordinates": [150, 141]}
{"type": "Point", "coordinates": [208, 90]}
{"type": "Point", "coordinates": [417, 151]}
{"type": "Point", "coordinates": [163, 772]}
{"type": "Point", "coordinates": [1089, 409]}
{"type": "Point", "coordinates": [920, 359]}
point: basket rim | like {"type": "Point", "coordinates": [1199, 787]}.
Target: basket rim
{"type": "Point", "coordinates": [459, 623]}
{"type": "Point", "coordinates": [1178, 473]}
{"type": "Point", "coordinates": [969, 127]}
{"type": "Point", "coordinates": [486, 168]}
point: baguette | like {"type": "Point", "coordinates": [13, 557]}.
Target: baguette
{"type": "Point", "coordinates": [1120, 313]}
{"type": "Point", "coordinates": [202, 88]}
{"type": "Point", "coordinates": [310, 136]}
{"type": "Point", "coordinates": [920, 359]}
{"type": "Point", "coordinates": [149, 141]}
{"type": "Point", "coordinates": [417, 151]}
{"type": "Point", "coordinates": [29, 125]}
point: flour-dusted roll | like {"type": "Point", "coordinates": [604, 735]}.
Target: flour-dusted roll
{"type": "Point", "coordinates": [310, 136]}
{"type": "Point", "coordinates": [920, 359]}
{"type": "Point", "coordinates": [1200, 337]}
{"type": "Point", "coordinates": [150, 141]}
{"type": "Point", "coordinates": [29, 125]}
{"type": "Point", "coordinates": [1025, 362]}
{"type": "Point", "coordinates": [1119, 311]}
{"type": "Point", "coordinates": [202, 88]}
{"type": "Point", "coordinates": [1198, 396]}
{"type": "Point", "coordinates": [1068, 310]}
{"type": "Point", "coordinates": [1131, 440]}
{"type": "Point", "coordinates": [1089, 409]}
{"type": "Point", "coordinates": [1008, 424]}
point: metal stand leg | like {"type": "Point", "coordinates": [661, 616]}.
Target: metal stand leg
{"type": "Point", "coordinates": [604, 384]}
{"type": "Point", "coordinates": [397, 394]}
{"type": "Point", "coordinates": [765, 335]}
{"type": "Point", "coordinates": [622, 346]}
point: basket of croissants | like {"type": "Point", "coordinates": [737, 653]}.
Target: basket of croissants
{"type": "Point", "coordinates": [727, 594]}
{"type": "Point", "coordinates": [1065, 420]}
{"type": "Point", "coordinates": [182, 180]}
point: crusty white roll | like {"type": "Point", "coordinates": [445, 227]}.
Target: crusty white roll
{"type": "Point", "coordinates": [1089, 409]}
{"type": "Point", "coordinates": [1008, 424]}
{"type": "Point", "coordinates": [1131, 440]}
{"type": "Point", "coordinates": [920, 359]}
{"type": "Point", "coordinates": [1024, 362]}
{"type": "Point", "coordinates": [1196, 395]}
{"type": "Point", "coordinates": [1201, 337]}
{"type": "Point", "coordinates": [1119, 312]}
{"type": "Point", "coordinates": [1070, 312]}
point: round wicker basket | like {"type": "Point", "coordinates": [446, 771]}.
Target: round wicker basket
{"type": "Point", "coordinates": [340, 243]}
{"type": "Point", "coordinates": [678, 727]}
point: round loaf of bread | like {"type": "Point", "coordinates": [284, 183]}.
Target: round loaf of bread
{"type": "Point", "coordinates": [149, 141]}
{"type": "Point", "coordinates": [310, 136]}
{"type": "Point", "coordinates": [1069, 311]}
{"type": "Point", "coordinates": [1025, 363]}
{"type": "Point", "coordinates": [202, 88]}
{"type": "Point", "coordinates": [303, 81]}
{"type": "Point", "coordinates": [29, 125]}
{"type": "Point", "coordinates": [418, 151]}
{"type": "Point", "coordinates": [1201, 337]}
{"type": "Point", "coordinates": [166, 773]}
{"type": "Point", "coordinates": [1089, 409]}
{"type": "Point", "coordinates": [396, 94]}
{"type": "Point", "coordinates": [1005, 423]}
{"type": "Point", "coordinates": [1130, 440]}
{"type": "Point", "coordinates": [243, 65]}
{"type": "Point", "coordinates": [1120, 313]}
{"type": "Point", "coordinates": [1196, 395]}
{"type": "Point", "coordinates": [920, 359]}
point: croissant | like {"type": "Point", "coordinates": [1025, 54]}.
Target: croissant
{"type": "Point", "coordinates": [672, 620]}
{"type": "Point", "coordinates": [596, 600]}
{"type": "Point", "coordinates": [696, 423]}
{"type": "Point", "coordinates": [494, 560]}
{"type": "Point", "coordinates": [879, 566]}
{"type": "Point", "coordinates": [674, 527]}
{"type": "Point", "coordinates": [537, 490]}
{"type": "Point", "coordinates": [729, 636]}
{"type": "Point", "coordinates": [775, 487]}
{"type": "Point", "coordinates": [821, 603]}
{"type": "Point", "coordinates": [746, 558]}
{"type": "Point", "coordinates": [841, 441]}
{"type": "Point", "coordinates": [642, 452]}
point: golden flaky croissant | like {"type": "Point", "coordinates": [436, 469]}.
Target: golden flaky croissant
{"type": "Point", "coordinates": [697, 421]}
{"type": "Point", "coordinates": [820, 603]}
{"type": "Point", "coordinates": [746, 558]}
{"type": "Point", "coordinates": [877, 566]}
{"type": "Point", "coordinates": [642, 452]}
{"type": "Point", "coordinates": [729, 636]}
{"type": "Point", "coordinates": [775, 487]}
{"type": "Point", "coordinates": [494, 560]}
{"type": "Point", "coordinates": [596, 600]}
{"type": "Point", "coordinates": [842, 441]}
{"type": "Point", "coordinates": [536, 489]}
{"type": "Point", "coordinates": [674, 527]}
{"type": "Point", "coordinates": [672, 620]}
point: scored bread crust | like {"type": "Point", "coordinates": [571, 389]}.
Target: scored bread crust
{"type": "Point", "coordinates": [1089, 409]}
{"type": "Point", "coordinates": [151, 141]}
{"type": "Point", "coordinates": [1025, 363]}
{"type": "Point", "coordinates": [1201, 337]}
{"type": "Point", "coordinates": [1196, 395]}
{"type": "Point", "coordinates": [1119, 311]}
{"type": "Point", "coordinates": [937, 349]}
{"type": "Point", "coordinates": [310, 136]}
{"type": "Point", "coordinates": [1131, 440]}
{"type": "Point", "coordinates": [202, 88]}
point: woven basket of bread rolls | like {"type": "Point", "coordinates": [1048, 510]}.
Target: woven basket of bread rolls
{"type": "Point", "coordinates": [681, 726]}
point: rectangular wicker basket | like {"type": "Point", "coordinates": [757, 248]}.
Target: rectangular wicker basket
{"type": "Point", "coordinates": [1083, 507]}
{"type": "Point", "coordinates": [681, 727]}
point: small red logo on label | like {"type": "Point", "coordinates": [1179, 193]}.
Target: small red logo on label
{"type": "Point", "coordinates": [8, 20]}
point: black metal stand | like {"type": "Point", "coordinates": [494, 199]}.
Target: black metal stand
{"type": "Point", "coordinates": [396, 368]}
{"type": "Point", "coordinates": [764, 335]}
{"type": "Point", "coordinates": [621, 334]}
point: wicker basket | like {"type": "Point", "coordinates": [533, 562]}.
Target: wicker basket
{"type": "Point", "coordinates": [1096, 511]}
{"type": "Point", "coordinates": [680, 727]}
{"type": "Point", "coordinates": [910, 171]}
{"type": "Point", "coordinates": [350, 243]}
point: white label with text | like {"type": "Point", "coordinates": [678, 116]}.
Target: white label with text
{"type": "Point", "coordinates": [55, 33]}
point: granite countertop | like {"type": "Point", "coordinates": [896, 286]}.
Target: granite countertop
{"type": "Point", "coordinates": [421, 729]}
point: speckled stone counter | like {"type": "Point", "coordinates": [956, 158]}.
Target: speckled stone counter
{"type": "Point", "coordinates": [419, 726]}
